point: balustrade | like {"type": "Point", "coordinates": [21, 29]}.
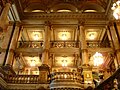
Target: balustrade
{"type": "Point", "coordinates": [61, 44]}
{"type": "Point", "coordinates": [29, 44]}
{"type": "Point", "coordinates": [66, 76]}
{"type": "Point", "coordinates": [2, 73]}
{"type": "Point", "coordinates": [97, 44]}
{"type": "Point", "coordinates": [68, 44]}
{"type": "Point", "coordinates": [22, 79]}
{"type": "Point", "coordinates": [66, 80]}
{"type": "Point", "coordinates": [111, 83]}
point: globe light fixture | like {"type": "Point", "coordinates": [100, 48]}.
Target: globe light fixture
{"type": "Point", "coordinates": [116, 9]}
{"type": "Point", "coordinates": [98, 59]}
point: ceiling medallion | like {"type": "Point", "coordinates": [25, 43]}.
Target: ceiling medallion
{"type": "Point", "coordinates": [91, 35]}
{"type": "Point", "coordinates": [32, 63]}
{"type": "Point", "coordinates": [64, 35]}
{"type": "Point", "coordinates": [36, 35]}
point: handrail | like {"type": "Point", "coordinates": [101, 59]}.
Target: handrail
{"type": "Point", "coordinates": [93, 44]}
{"type": "Point", "coordinates": [108, 84]}
{"type": "Point", "coordinates": [66, 76]}
{"type": "Point", "coordinates": [31, 79]}
{"type": "Point", "coordinates": [29, 44]}
{"type": "Point", "coordinates": [67, 44]}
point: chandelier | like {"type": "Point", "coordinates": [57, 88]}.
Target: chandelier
{"type": "Point", "coordinates": [116, 9]}
{"type": "Point", "coordinates": [97, 59]}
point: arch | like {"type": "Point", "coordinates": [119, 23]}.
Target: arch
{"type": "Point", "coordinates": [35, 6]}
{"type": "Point", "coordinates": [64, 6]}
{"type": "Point", "coordinates": [92, 6]}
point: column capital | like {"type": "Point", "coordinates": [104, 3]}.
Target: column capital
{"type": "Point", "coordinates": [47, 23]}
{"type": "Point", "coordinates": [11, 23]}
{"type": "Point", "coordinates": [111, 23]}
{"type": "Point", "coordinates": [81, 22]}
{"type": "Point", "coordinates": [18, 23]}
{"type": "Point", "coordinates": [44, 67]}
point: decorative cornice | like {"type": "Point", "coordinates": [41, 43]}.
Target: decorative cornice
{"type": "Point", "coordinates": [46, 16]}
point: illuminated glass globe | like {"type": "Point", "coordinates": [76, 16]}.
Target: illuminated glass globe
{"type": "Point", "coordinates": [116, 10]}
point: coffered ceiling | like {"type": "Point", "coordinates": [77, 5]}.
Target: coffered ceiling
{"type": "Point", "coordinates": [32, 34]}
{"type": "Point", "coordinates": [64, 24]}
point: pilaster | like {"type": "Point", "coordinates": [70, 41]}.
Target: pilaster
{"type": "Point", "coordinates": [115, 41]}
{"type": "Point", "coordinates": [13, 44]}
{"type": "Point", "coordinates": [3, 17]}
{"type": "Point", "coordinates": [46, 45]}
{"type": "Point", "coordinates": [87, 75]}
{"type": "Point", "coordinates": [87, 70]}
{"type": "Point", "coordinates": [44, 68]}
{"type": "Point", "coordinates": [5, 43]}
{"type": "Point", "coordinates": [44, 73]}
{"type": "Point", "coordinates": [84, 50]}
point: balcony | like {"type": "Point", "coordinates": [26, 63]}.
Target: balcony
{"type": "Point", "coordinates": [29, 44]}
{"type": "Point", "coordinates": [68, 80]}
{"type": "Point", "coordinates": [65, 44]}
{"type": "Point", "coordinates": [98, 44]}
{"type": "Point", "coordinates": [57, 80]}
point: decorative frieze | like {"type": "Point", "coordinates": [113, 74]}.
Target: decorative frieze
{"type": "Point", "coordinates": [64, 16]}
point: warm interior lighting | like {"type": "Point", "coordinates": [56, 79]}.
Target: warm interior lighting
{"type": "Point", "coordinates": [65, 76]}
{"type": "Point", "coordinates": [90, 11]}
{"type": "Point", "coordinates": [64, 36]}
{"type": "Point", "coordinates": [32, 63]}
{"type": "Point", "coordinates": [64, 63]}
{"type": "Point", "coordinates": [92, 36]}
{"type": "Point", "coordinates": [116, 9]}
{"type": "Point", "coordinates": [36, 35]}
{"type": "Point", "coordinates": [64, 10]}
{"type": "Point", "coordinates": [98, 59]}
{"type": "Point", "coordinates": [37, 11]}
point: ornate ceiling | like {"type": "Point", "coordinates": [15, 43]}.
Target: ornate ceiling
{"type": "Point", "coordinates": [73, 5]}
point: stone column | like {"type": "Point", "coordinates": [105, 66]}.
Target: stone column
{"type": "Point", "coordinates": [3, 17]}
{"type": "Point", "coordinates": [46, 44]}
{"type": "Point", "coordinates": [13, 44]}
{"type": "Point", "coordinates": [83, 45]}
{"type": "Point", "coordinates": [87, 70]}
{"type": "Point", "coordinates": [5, 43]}
{"type": "Point", "coordinates": [44, 68]}
{"type": "Point", "coordinates": [115, 41]}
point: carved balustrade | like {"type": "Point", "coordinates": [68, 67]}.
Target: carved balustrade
{"type": "Point", "coordinates": [66, 76]}
{"type": "Point", "coordinates": [2, 73]}
{"type": "Point", "coordinates": [66, 80]}
{"type": "Point", "coordinates": [29, 44]}
{"type": "Point", "coordinates": [111, 83]}
{"type": "Point", "coordinates": [67, 44]}
{"type": "Point", "coordinates": [30, 79]}
{"type": "Point", "coordinates": [98, 44]}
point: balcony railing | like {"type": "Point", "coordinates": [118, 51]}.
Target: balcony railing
{"type": "Point", "coordinates": [29, 44]}
{"type": "Point", "coordinates": [66, 80]}
{"type": "Point", "coordinates": [111, 83]}
{"type": "Point", "coordinates": [17, 79]}
{"type": "Point", "coordinates": [98, 44]}
{"type": "Point", "coordinates": [67, 44]}
{"type": "Point", "coordinates": [62, 44]}
{"type": "Point", "coordinates": [66, 76]}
